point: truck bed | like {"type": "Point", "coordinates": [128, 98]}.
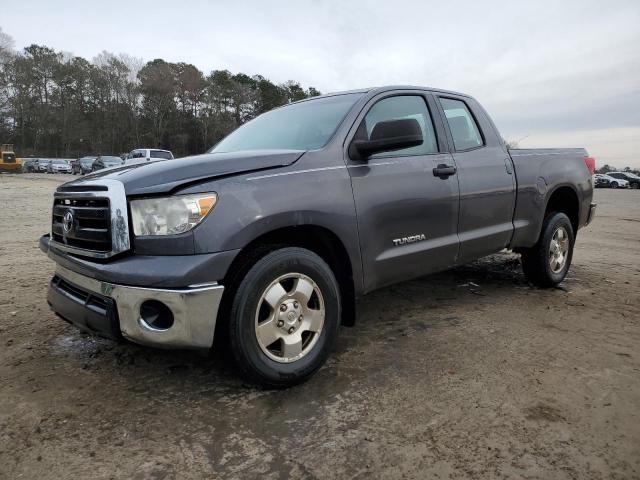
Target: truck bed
{"type": "Point", "coordinates": [539, 172]}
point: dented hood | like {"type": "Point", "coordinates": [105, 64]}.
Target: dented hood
{"type": "Point", "coordinates": [169, 175]}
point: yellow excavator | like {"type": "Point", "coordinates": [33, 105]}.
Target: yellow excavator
{"type": "Point", "coordinates": [8, 161]}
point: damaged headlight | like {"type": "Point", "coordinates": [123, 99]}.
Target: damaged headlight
{"type": "Point", "coordinates": [170, 215]}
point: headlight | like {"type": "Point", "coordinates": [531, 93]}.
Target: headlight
{"type": "Point", "coordinates": [170, 215]}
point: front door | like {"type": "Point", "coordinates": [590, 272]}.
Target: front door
{"type": "Point", "coordinates": [407, 216]}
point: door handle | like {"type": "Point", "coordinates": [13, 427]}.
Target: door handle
{"type": "Point", "coordinates": [443, 171]}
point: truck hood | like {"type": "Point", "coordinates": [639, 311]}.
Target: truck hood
{"type": "Point", "coordinates": [169, 175]}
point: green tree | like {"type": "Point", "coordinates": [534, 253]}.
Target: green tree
{"type": "Point", "coordinates": [158, 88]}
{"type": "Point", "coordinates": [60, 105]}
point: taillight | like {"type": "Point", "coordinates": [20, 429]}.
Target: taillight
{"type": "Point", "coordinates": [590, 162]}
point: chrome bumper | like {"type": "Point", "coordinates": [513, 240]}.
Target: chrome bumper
{"type": "Point", "coordinates": [194, 309]}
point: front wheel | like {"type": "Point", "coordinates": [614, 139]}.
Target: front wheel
{"type": "Point", "coordinates": [284, 317]}
{"type": "Point", "coordinates": [614, 185]}
{"type": "Point", "coordinates": [548, 261]}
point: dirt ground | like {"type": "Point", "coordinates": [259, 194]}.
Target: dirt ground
{"type": "Point", "coordinates": [440, 378]}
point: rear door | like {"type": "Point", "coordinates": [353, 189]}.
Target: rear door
{"type": "Point", "coordinates": [485, 175]}
{"type": "Point", "coordinates": [407, 217]}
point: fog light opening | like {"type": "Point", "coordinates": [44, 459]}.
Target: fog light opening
{"type": "Point", "coordinates": [156, 315]}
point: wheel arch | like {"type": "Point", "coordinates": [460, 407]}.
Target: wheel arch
{"type": "Point", "coordinates": [316, 238]}
{"type": "Point", "coordinates": [564, 199]}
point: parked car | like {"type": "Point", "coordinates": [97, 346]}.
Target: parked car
{"type": "Point", "coordinates": [601, 180]}
{"type": "Point", "coordinates": [142, 155]}
{"type": "Point", "coordinates": [276, 231]}
{"type": "Point", "coordinates": [42, 165]}
{"type": "Point", "coordinates": [632, 178]}
{"type": "Point", "coordinates": [605, 181]}
{"type": "Point", "coordinates": [58, 166]}
{"type": "Point", "coordinates": [83, 165]}
{"type": "Point", "coordinates": [106, 161]}
{"type": "Point", "coordinates": [29, 165]}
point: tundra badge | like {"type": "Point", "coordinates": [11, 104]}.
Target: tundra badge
{"type": "Point", "coordinates": [412, 239]}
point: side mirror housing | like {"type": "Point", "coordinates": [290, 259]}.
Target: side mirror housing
{"type": "Point", "coordinates": [386, 137]}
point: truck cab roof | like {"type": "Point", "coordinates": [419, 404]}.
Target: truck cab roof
{"type": "Point", "coordinates": [376, 90]}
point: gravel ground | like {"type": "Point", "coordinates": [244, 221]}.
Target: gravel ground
{"type": "Point", "coordinates": [471, 373]}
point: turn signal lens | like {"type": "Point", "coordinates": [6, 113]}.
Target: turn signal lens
{"type": "Point", "coordinates": [206, 204]}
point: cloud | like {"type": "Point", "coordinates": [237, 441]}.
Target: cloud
{"type": "Point", "coordinates": [607, 145]}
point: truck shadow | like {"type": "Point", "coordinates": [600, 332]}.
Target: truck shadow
{"type": "Point", "coordinates": [381, 315]}
{"type": "Point", "coordinates": [434, 301]}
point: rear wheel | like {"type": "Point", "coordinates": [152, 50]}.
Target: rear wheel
{"type": "Point", "coordinates": [284, 317]}
{"type": "Point", "coordinates": [635, 185]}
{"type": "Point", "coordinates": [546, 263]}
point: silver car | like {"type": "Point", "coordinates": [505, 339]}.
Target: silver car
{"type": "Point", "coordinates": [606, 181]}
{"type": "Point", "coordinates": [42, 165]}
{"type": "Point", "coordinates": [59, 166]}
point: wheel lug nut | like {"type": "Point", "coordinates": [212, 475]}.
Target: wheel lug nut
{"type": "Point", "coordinates": [300, 318]}
{"type": "Point", "coordinates": [283, 307]}
{"type": "Point", "coordinates": [291, 330]}
{"type": "Point", "coordinates": [295, 304]}
{"type": "Point", "coordinates": [280, 323]}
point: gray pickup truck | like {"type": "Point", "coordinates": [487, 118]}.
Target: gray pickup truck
{"type": "Point", "coordinates": [267, 239]}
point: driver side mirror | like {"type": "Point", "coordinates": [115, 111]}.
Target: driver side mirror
{"type": "Point", "coordinates": [386, 137]}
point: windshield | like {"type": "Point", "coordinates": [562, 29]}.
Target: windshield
{"type": "Point", "coordinates": [161, 154]}
{"type": "Point", "coordinates": [86, 161]}
{"type": "Point", "coordinates": [59, 162]}
{"type": "Point", "coordinates": [301, 126]}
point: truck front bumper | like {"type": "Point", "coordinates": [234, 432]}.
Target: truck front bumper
{"type": "Point", "coordinates": [169, 318]}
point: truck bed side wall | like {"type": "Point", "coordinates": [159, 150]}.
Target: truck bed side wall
{"type": "Point", "coordinates": [539, 173]}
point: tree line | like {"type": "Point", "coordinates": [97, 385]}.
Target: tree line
{"type": "Point", "coordinates": [608, 168]}
{"type": "Point", "coordinates": [53, 104]}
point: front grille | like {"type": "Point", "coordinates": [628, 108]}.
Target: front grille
{"type": "Point", "coordinates": [95, 215]}
{"type": "Point", "coordinates": [88, 227]}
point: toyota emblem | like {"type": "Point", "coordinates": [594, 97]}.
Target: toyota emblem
{"type": "Point", "coordinates": [67, 221]}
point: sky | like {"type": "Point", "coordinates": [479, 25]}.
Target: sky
{"type": "Point", "coordinates": [550, 73]}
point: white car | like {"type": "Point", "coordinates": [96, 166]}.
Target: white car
{"type": "Point", "coordinates": [603, 180]}
{"type": "Point", "coordinates": [143, 155]}
{"type": "Point", "coordinates": [632, 178]}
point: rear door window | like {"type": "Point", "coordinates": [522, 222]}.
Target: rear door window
{"type": "Point", "coordinates": [464, 129]}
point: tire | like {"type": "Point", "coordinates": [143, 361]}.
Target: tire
{"type": "Point", "coordinates": [635, 185]}
{"type": "Point", "coordinates": [540, 263]}
{"type": "Point", "coordinates": [297, 271]}
{"type": "Point", "coordinates": [613, 184]}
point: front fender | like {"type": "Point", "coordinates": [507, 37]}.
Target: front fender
{"type": "Point", "coordinates": [253, 205]}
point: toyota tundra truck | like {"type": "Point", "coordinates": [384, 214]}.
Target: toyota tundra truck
{"type": "Point", "coordinates": [267, 240]}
